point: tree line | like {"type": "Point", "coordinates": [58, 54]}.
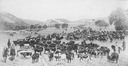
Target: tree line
{"type": "Point", "coordinates": [57, 25]}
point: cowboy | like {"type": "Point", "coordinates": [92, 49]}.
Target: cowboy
{"type": "Point", "coordinates": [124, 46]}
{"type": "Point", "coordinates": [5, 54]}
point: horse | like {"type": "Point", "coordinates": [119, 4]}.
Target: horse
{"type": "Point", "coordinates": [35, 57]}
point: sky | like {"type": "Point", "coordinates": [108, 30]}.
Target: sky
{"type": "Point", "coordinates": [68, 9]}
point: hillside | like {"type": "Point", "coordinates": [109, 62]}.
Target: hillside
{"type": "Point", "coordinates": [32, 22]}
{"type": "Point", "coordinates": [11, 22]}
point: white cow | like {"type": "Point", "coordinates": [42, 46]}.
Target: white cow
{"type": "Point", "coordinates": [63, 56]}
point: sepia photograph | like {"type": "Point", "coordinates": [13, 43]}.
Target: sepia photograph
{"type": "Point", "coordinates": [63, 32]}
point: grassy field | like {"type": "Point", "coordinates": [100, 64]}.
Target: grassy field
{"type": "Point", "coordinates": [43, 61]}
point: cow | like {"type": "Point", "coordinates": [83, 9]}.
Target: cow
{"type": "Point", "coordinates": [82, 55]}
{"type": "Point", "coordinates": [24, 53]}
{"type": "Point", "coordinates": [51, 56]}
{"type": "Point", "coordinates": [38, 48]}
{"type": "Point", "coordinates": [35, 57]}
{"type": "Point", "coordinates": [69, 57]}
{"type": "Point", "coordinates": [113, 57]}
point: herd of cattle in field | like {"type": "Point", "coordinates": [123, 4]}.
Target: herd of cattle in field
{"type": "Point", "coordinates": [56, 48]}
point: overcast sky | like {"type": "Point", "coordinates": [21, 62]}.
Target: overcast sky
{"type": "Point", "coordinates": [69, 9]}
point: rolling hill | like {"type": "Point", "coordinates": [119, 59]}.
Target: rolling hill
{"type": "Point", "coordinates": [11, 22]}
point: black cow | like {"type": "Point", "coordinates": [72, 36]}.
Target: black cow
{"type": "Point", "coordinates": [35, 57]}
{"type": "Point", "coordinates": [113, 57]}
{"type": "Point", "coordinates": [51, 55]}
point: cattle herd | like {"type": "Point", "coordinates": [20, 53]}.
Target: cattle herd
{"type": "Point", "coordinates": [63, 45]}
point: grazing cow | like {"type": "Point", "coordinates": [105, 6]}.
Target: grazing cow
{"type": "Point", "coordinates": [93, 52]}
{"type": "Point", "coordinates": [35, 57]}
{"type": "Point", "coordinates": [104, 50]}
{"type": "Point", "coordinates": [25, 53]}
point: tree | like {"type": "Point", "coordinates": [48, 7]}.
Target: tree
{"type": "Point", "coordinates": [45, 26]}
{"type": "Point", "coordinates": [32, 26]}
{"type": "Point", "coordinates": [101, 23]}
{"type": "Point", "coordinates": [57, 25]}
{"type": "Point", "coordinates": [119, 19]}
{"type": "Point", "coordinates": [64, 25]}
{"type": "Point", "coordinates": [9, 43]}
{"type": "Point", "coordinates": [119, 28]}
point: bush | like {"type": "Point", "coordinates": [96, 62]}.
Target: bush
{"type": "Point", "coordinates": [45, 26]}
{"type": "Point", "coordinates": [101, 23]}
{"type": "Point", "coordinates": [64, 25]}
{"type": "Point", "coordinates": [57, 26]}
